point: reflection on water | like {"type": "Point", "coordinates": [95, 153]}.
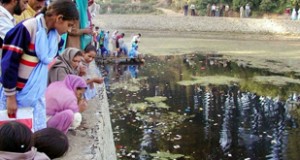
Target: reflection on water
{"type": "Point", "coordinates": [245, 120]}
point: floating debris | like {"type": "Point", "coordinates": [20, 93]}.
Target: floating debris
{"type": "Point", "coordinates": [176, 146]}
{"type": "Point", "coordinates": [177, 137]}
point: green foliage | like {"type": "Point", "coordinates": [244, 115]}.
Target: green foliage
{"type": "Point", "coordinates": [259, 6]}
{"type": "Point", "coordinates": [127, 8]}
{"type": "Point", "coordinates": [267, 5]}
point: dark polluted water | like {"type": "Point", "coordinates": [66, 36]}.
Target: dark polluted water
{"type": "Point", "coordinates": [198, 107]}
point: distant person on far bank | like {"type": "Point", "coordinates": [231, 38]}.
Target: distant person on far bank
{"type": "Point", "coordinates": [213, 10]}
{"type": "Point", "coordinates": [294, 14]}
{"type": "Point", "coordinates": [208, 8]}
{"type": "Point", "coordinates": [217, 12]}
{"type": "Point", "coordinates": [241, 12]}
{"type": "Point", "coordinates": [185, 9]}
{"type": "Point", "coordinates": [247, 10]}
{"type": "Point", "coordinates": [226, 10]}
{"type": "Point", "coordinates": [298, 17]}
{"type": "Point", "coordinates": [193, 10]}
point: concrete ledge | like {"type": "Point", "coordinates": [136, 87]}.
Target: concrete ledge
{"type": "Point", "coordinates": [93, 140]}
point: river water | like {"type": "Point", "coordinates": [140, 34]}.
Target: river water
{"type": "Point", "coordinates": [202, 107]}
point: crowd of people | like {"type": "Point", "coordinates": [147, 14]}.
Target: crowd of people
{"type": "Point", "coordinates": [46, 49]}
{"type": "Point", "coordinates": [103, 40]}
{"type": "Point", "coordinates": [217, 10]}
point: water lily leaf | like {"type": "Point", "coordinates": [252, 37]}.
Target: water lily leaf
{"type": "Point", "coordinates": [166, 155]}
{"type": "Point", "coordinates": [206, 80]}
{"type": "Point", "coordinates": [156, 99]}
{"type": "Point", "coordinates": [162, 105]}
{"type": "Point", "coordinates": [138, 106]}
{"type": "Point", "coordinates": [276, 80]}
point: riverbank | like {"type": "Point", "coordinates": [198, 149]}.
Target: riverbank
{"type": "Point", "coordinates": [198, 24]}
{"type": "Point", "coordinates": [264, 43]}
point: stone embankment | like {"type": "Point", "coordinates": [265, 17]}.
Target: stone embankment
{"type": "Point", "coordinates": [198, 24]}
{"type": "Point", "coordinates": [94, 139]}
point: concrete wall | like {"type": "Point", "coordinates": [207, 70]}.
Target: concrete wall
{"type": "Point", "coordinates": [94, 139]}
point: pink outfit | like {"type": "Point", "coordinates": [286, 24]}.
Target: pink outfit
{"type": "Point", "coordinates": [30, 155]}
{"type": "Point", "coordinates": [61, 102]}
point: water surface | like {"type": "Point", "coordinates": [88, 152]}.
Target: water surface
{"type": "Point", "coordinates": [202, 107]}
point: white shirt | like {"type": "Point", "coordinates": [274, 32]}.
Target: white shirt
{"type": "Point", "coordinates": [192, 6]}
{"type": "Point", "coordinates": [135, 38]}
{"type": "Point", "coordinates": [7, 22]}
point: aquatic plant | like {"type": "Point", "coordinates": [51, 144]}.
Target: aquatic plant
{"type": "Point", "coordinates": [156, 99]}
{"type": "Point", "coordinates": [275, 80]}
{"type": "Point", "coordinates": [206, 80]}
{"type": "Point", "coordinates": [138, 107]}
{"type": "Point", "coordinates": [166, 155]}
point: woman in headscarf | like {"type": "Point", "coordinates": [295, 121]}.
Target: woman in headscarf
{"type": "Point", "coordinates": [66, 63]}
{"type": "Point", "coordinates": [65, 102]}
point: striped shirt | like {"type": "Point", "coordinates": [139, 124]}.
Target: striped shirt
{"type": "Point", "coordinates": [19, 57]}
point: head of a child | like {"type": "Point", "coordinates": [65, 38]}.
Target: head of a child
{"type": "Point", "coordinates": [89, 53]}
{"type": "Point", "coordinates": [15, 137]}
{"type": "Point", "coordinates": [61, 15]}
{"type": "Point", "coordinates": [97, 28]}
{"type": "Point", "coordinates": [54, 143]}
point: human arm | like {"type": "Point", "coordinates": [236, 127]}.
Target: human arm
{"type": "Point", "coordinates": [97, 80]}
{"type": "Point", "coordinates": [76, 31]}
{"type": "Point", "coordinates": [15, 44]}
{"type": "Point", "coordinates": [79, 32]}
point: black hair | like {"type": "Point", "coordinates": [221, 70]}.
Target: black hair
{"type": "Point", "coordinates": [15, 137]}
{"type": "Point", "coordinates": [78, 53]}
{"type": "Point", "coordinates": [140, 35]}
{"type": "Point", "coordinates": [66, 8]}
{"type": "Point", "coordinates": [53, 142]}
{"type": "Point", "coordinates": [89, 48]}
{"type": "Point", "coordinates": [5, 1]}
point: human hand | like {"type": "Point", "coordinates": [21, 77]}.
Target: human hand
{"type": "Point", "coordinates": [82, 105]}
{"type": "Point", "coordinates": [82, 70]}
{"type": "Point", "coordinates": [12, 106]}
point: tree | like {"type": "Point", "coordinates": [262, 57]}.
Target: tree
{"type": "Point", "coordinates": [267, 5]}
